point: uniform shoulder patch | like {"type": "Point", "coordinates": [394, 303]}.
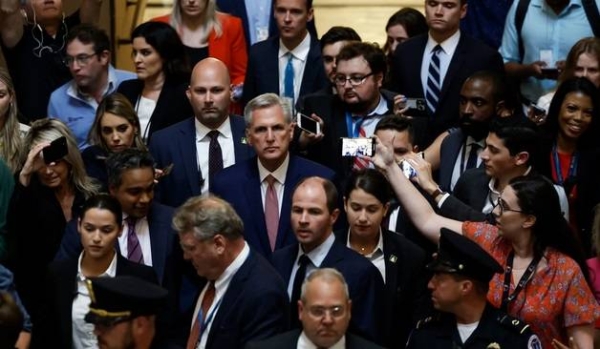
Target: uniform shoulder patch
{"type": "Point", "coordinates": [534, 342]}
{"type": "Point", "coordinates": [514, 324]}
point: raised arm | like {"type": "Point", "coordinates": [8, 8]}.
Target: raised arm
{"type": "Point", "coordinates": [420, 212]}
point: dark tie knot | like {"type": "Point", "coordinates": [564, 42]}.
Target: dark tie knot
{"type": "Point", "coordinates": [304, 261]}
{"type": "Point", "coordinates": [437, 49]}
{"type": "Point", "coordinates": [214, 134]}
{"type": "Point", "coordinates": [131, 221]}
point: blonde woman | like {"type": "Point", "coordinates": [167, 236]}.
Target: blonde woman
{"type": "Point", "coordinates": [10, 129]}
{"type": "Point", "coordinates": [46, 197]}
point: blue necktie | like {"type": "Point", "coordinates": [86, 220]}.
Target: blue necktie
{"type": "Point", "coordinates": [434, 81]}
{"type": "Point", "coordinates": [288, 78]}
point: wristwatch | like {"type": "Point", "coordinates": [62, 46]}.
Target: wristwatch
{"type": "Point", "coordinates": [437, 192]}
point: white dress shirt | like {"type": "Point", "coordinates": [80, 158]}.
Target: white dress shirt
{"type": "Point", "coordinates": [448, 48]}
{"type": "Point", "coordinates": [221, 285]}
{"type": "Point", "coordinates": [225, 140]}
{"type": "Point", "coordinates": [463, 157]}
{"type": "Point", "coordinates": [83, 332]}
{"type": "Point", "coordinates": [300, 54]}
{"type": "Point", "coordinates": [376, 257]}
{"type": "Point", "coordinates": [279, 174]}
{"type": "Point", "coordinates": [305, 343]}
{"type": "Point", "coordinates": [316, 256]}
{"type": "Point", "coordinates": [142, 231]}
{"type": "Point", "coordinates": [144, 109]}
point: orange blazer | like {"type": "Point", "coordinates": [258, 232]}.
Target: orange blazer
{"type": "Point", "coordinates": [230, 47]}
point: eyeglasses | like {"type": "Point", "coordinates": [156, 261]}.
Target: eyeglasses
{"type": "Point", "coordinates": [340, 80]}
{"type": "Point", "coordinates": [81, 60]}
{"type": "Point", "coordinates": [335, 311]}
{"type": "Point", "coordinates": [504, 208]}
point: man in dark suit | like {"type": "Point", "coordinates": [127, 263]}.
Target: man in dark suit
{"type": "Point", "coordinates": [324, 310]}
{"type": "Point", "coordinates": [314, 211]}
{"type": "Point", "coordinates": [289, 64]}
{"type": "Point", "coordinates": [434, 66]}
{"type": "Point", "coordinates": [257, 19]}
{"type": "Point", "coordinates": [246, 185]}
{"type": "Point", "coordinates": [131, 182]}
{"type": "Point", "coordinates": [353, 112]}
{"type": "Point", "coordinates": [189, 145]}
{"type": "Point", "coordinates": [243, 299]}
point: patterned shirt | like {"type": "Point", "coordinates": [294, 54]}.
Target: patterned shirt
{"type": "Point", "coordinates": [556, 297]}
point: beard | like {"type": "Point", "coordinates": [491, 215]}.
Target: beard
{"type": "Point", "coordinates": [476, 129]}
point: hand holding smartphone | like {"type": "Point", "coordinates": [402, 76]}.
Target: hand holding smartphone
{"type": "Point", "coordinates": [353, 147]}
{"type": "Point", "coordinates": [55, 151]}
{"type": "Point", "coordinates": [308, 124]}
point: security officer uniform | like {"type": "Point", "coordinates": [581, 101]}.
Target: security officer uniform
{"type": "Point", "coordinates": [496, 330]}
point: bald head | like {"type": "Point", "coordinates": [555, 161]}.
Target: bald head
{"type": "Point", "coordinates": [209, 92]}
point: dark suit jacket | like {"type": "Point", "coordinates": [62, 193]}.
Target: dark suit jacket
{"type": "Point", "coordinates": [240, 186]}
{"type": "Point", "coordinates": [60, 289]}
{"type": "Point", "coordinates": [449, 152]}
{"type": "Point", "coordinates": [238, 9]}
{"type": "Point", "coordinates": [406, 297]}
{"type": "Point", "coordinates": [364, 283]}
{"type": "Point", "coordinates": [262, 74]}
{"type": "Point", "coordinates": [470, 56]}
{"type": "Point", "coordinates": [289, 340]}
{"type": "Point", "coordinates": [254, 307]}
{"type": "Point", "coordinates": [163, 241]}
{"type": "Point", "coordinates": [176, 145]}
{"type": "Point", "coordinates": [172, 105]}
{"type": "Point", "coordinates": [469, 197]}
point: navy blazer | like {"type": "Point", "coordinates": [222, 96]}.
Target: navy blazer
{"type": "Point", "coordinates": [163, 241]}
{"type": "Point", "coordinates": [255, 306]}
{"type": "Point", "coordinates": [176, 145]}
{"type": "Point", "coordinates": [56, 321]}
{"type": "Point", "coordinates": [240, 186]}
{"type": "Point", "coordinates": [364, 284]}
{"type": "Point", "coordinates": [469, 197]}
{"type": "Point", "coordinates": [262, 74]}
{"type": "Point", "coordinates": [172, 105]}
{"type": "Point", "coordinates": [470, 56]}
{"type": "Point", "coordinates": [407, 299]}
{"type": "Point", "coordinates": [238, 8]}
{"type": "Point", "coordinates": [289, 340]}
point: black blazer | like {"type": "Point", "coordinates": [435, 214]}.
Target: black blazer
{"type": "Point", "coordinates": [289, 340]}
{"type": "Point", "coordinates": [172, 105]}
{"type": "Point", "coordinates": [56, 322]}
{"type": "Point", "coordinates": [469, 197]}
{"type": "Point", "coordinates": [262, 74]}
{"type": "Point", "coordinates": [470, 56]}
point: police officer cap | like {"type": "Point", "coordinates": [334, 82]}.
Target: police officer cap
{"type": "Point", "coordinates": [122, 298]}
{"type": "Point", "coordinates": [457, 254]}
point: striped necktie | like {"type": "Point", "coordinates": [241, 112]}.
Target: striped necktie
{"type": "Point", "coordinates": [434, 81]}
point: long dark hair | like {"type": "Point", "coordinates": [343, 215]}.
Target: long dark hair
{"type": "Point", "coordinates": [372, 182]}
{"type": "Point", "coordinates": [537, 196]}
{"type": "Point", "coordinates": [575, 85]}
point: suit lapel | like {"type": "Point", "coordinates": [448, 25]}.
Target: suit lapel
{"type": "Point", "coordinates": [254, 202]}
{"type": "Point", "coordinates": [271, 63]}
{"type": "Point", "coordinates": [284, 234]}
{"type": "Point", "coordinates": [455, 65]}
{"type": "Point", "coordinates": [187, 146]}
{"type": "Point", "coordinates": [158, 241]}
{"type": "Point", "coordinates": [237, 132]}
{"type": "Point", "coordinates": [416, 61]}
{"type": "Point", "coordinates": [313, 63]}
{"type": "Point", "coordinates": [335, 254]}
{"type": "Point", "coordinates": [392, 258]}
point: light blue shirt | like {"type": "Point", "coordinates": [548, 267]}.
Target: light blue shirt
{"type": "Point", "coordinates": [543, 29]}
{"type": "Point", "coordinates": [78, 111]}
{"type": "Point", "coordinates": [259, 17]}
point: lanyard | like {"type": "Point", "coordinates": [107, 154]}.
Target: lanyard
{"type": "Point", "coordinates": [572, 167]}
{"type": "Point", "coordinates": [506, 297]}
{"type": "Point", "coordinates": [208, 320]}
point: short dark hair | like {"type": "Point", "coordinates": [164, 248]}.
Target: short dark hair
{"type": "Point", "coordinates": [105, 202]}
{"type": "Point", "coordinates": [518, 135]}
{"type": "Point", "coordinates": [338, 33]}
{"type": "Point", "coordinates": [90, 34]}
{"type": "Point", "coordinates": [128, 159]}
{"type": "Point", "coordinates": [497, 81]}
{"type": "Point", "coordinates": [371, 182]}
{"type": "Point", "coordinates": [396, 123]}
{"type": "Point", "coordinates": [331, 192]}
{"type": "Point", "coordinates": [372, 53]}
{"type": "Point", "coordinates": [165, 40]}
{"type": "Point", "coordinates": [412, 20]}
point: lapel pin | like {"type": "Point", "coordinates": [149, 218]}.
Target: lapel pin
{"type": "Point", "coordinates": [243, 140]}
{"type": "Point", "coordinates": [393, 258]}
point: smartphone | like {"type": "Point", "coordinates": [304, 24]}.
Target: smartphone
{"type": "Point", "coordinates": [407, 169]}
{"type": "Point", "coordinates": [550, 73]}
{"type": "Point", "coordinates": [55, 151]}
{"type": "Point", "coordinates": [416, 107]}
{"type": "Point", "coordinates": [358, 146]}
{"type": "Point", "coordinates": [308, 124]}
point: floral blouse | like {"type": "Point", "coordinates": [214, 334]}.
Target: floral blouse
{"type": "Point", "coordinates": [556, 297]}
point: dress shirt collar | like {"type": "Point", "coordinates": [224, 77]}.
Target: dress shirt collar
{"type": "Point", "coordinates": [378, 248]}
{"type": "Point", "coordinates": [222, 282]}
{"type": "Point", "coordinates": [470, 140]}
{"type": "Point", "coordinates": [300, 52]}
{"type": "Point", "coordinates": [448, 46]}
{"type": "Point", "coordinates": [380, 109]}
{"type": "Point", "coordinates": [137, 220]}
{"type": "Point", "coordinates": [279, 173]}
{"type": "Point", "coordinates": [111, 271]}
{"type": "Point", "coordinates": [202, 131]}
{"type": "Point", "coordinates": [305, 343]}
{"type": "Point", "coordinates": [111, 84]}
{"type": "Point", "coordinates": [318, 254]}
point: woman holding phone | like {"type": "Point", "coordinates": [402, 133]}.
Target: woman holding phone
{"type": "Point", "coordinates": [51, 186]}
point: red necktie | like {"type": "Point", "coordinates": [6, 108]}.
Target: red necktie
{"type": "Point", "coordinates": [207, 300]}
{"type": "Point", "coordinates": [359, 163]}
{"type": "Point", "coordinates": [271, 211]}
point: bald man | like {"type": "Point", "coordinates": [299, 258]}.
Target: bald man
{"type": "Point", "coordinates": [200, 146]}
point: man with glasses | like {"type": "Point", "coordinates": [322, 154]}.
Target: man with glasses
{"type": "Point", "coordinates": [324, 310]}
{"type": "Point", "coordinates": [88, 59]}
{"type": "Point", "coordinates": [353, 112]}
